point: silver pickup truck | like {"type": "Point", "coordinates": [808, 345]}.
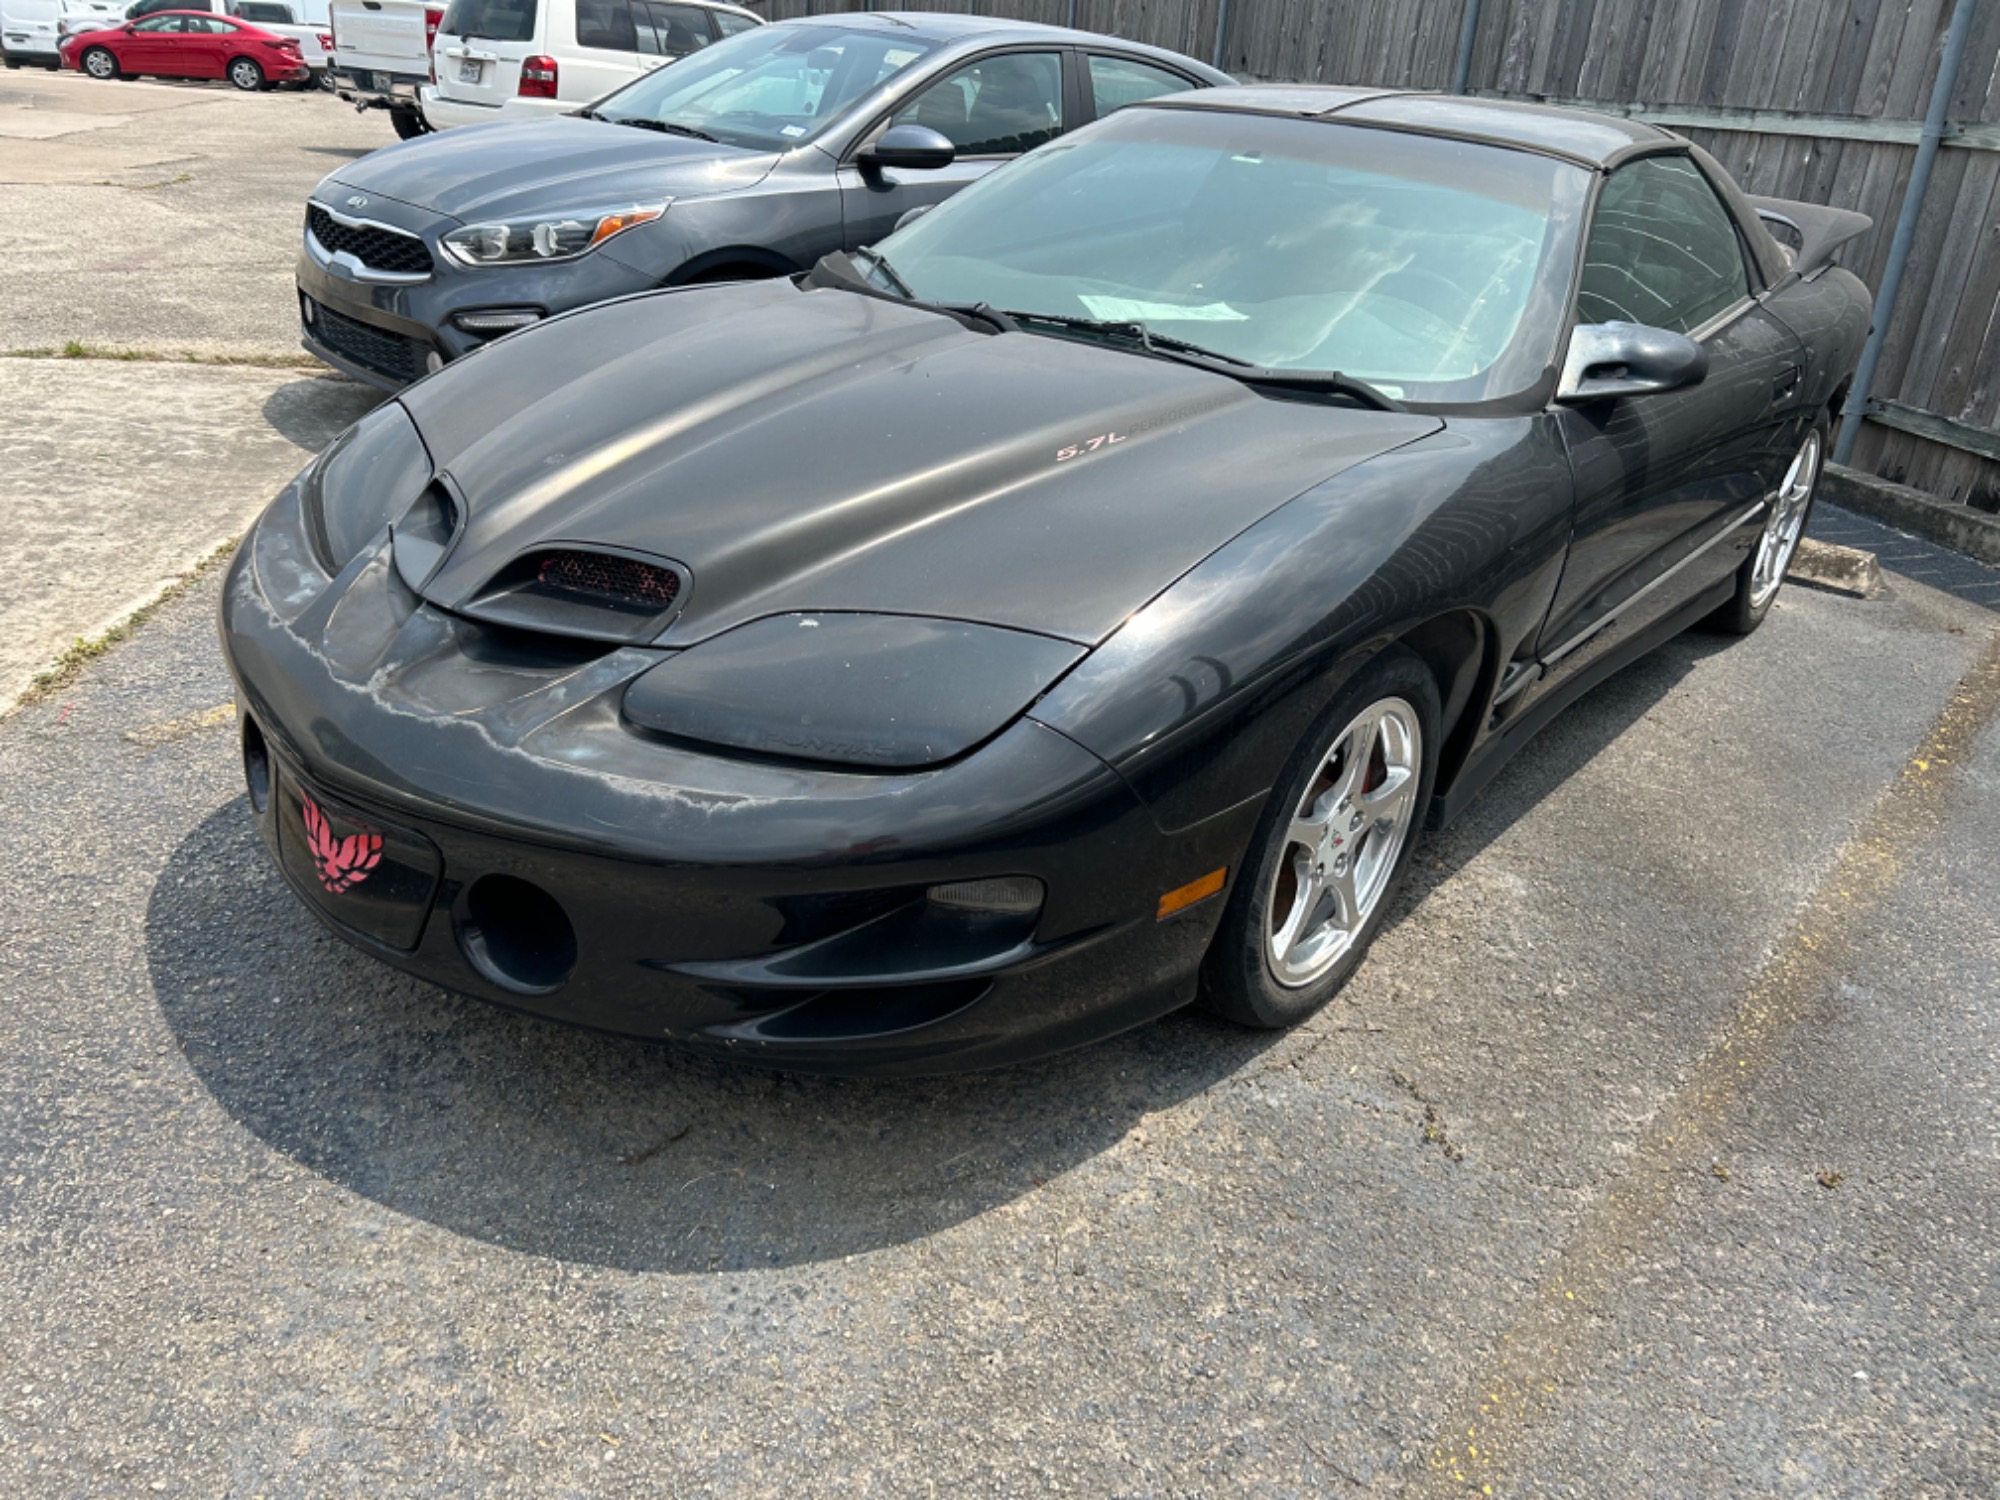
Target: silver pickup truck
{"type": "Point", "coordinates": [382, 56]}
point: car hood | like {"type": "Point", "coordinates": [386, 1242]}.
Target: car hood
{"type": "Point", "coordinates": [537, 166]}
{"type": "Point", "coordinates": [824, 450]}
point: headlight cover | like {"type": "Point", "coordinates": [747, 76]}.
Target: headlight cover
{"type": "Point", "coordinates": [886, 692]}
{"type": "Point", "coordinates": [540, 238]}
{"type": "Point", "coordinates": [366, 478]}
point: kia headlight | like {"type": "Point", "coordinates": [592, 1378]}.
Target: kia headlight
{"type": "Point", "coordinates": [545, 237]}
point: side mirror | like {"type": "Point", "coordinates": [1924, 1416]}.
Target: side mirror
{"type": "Point", "coordinates": [1628, 359]}
{"type": "Point", "coordinates": [914, 148]}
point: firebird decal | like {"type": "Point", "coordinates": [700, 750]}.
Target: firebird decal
{"type": "Point", "coordinates": [342, 863]}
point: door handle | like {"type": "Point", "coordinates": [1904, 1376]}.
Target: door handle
{"type": "Point", "coordinates": [1786, 385]}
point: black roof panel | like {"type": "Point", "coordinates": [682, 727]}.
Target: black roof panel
{"type": "Point", "coordinates": [1578, 133]}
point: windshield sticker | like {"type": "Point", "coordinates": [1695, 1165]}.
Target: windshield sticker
{"type": "Point", "coordinates": [895, 57]}
{"type": "Point", "coordinates": [792, 130]}
{"type": "Point", "coordinates": [1133, 310]}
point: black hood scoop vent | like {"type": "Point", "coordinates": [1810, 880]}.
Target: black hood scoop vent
{"type": "Point", "coordinates": [597, 593]}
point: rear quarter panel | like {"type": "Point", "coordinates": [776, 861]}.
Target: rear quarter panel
{"type": "Point", "coordinates": [1829, 313]}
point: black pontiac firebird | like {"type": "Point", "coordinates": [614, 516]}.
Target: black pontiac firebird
{"type": "Point", "coordinates": [992, 640]}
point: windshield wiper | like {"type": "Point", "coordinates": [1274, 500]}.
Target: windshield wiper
{"type": "Point", "coordinates": [881, 263]}
{"type": "Point", "coordinates": [1181, 351]}
{"type": "Point", "coordinates": [665, 127]}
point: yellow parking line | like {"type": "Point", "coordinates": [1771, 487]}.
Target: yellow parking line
{"type": "Point", "coordinates": [1482, 1440]}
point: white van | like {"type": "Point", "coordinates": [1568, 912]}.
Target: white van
{"type": "Point", "coordinates": [30, 31]}
{"type": "Point", "coordinates": [549, 56]}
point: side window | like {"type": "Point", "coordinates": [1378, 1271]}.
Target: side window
{"type": "Point", "coordinates": [1000, 106]}
{"type": "Point", "coordinates": [729, 23]}
{"type": "Point", "coordinates": [159, 24]}
{"type": "Point", "coordinates": [606, 24]}
{"type": "Point", "coordinates": [674, 30]}
{"type": "Point", "coordinates": [1118, 81]}
{"type": "Point", "coordinates": [1663, 250]}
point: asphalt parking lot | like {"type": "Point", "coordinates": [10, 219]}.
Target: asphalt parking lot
{"type": "Point", "coordinates": [1654, 1151]}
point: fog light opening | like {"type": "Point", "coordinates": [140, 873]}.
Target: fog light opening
{"type": "Point", "coordinates": [515, 934]}
{"type": "Point", "coordinates": [1000, 895]}
{"type": "Point", "coordinates": [256, 766]}
{"type": "Point", "coordinates": [492, 322]}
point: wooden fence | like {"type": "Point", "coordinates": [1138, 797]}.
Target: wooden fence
{"type": "Point", "coordinates": [1814, 99]}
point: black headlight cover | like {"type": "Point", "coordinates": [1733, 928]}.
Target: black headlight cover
{"type": "Point", "coordinates": [886, 692]}
{"type": "Point", "coordinates": [366, 478]}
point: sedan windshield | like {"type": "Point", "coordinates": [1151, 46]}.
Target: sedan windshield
{"type": "Point", "coordinates": [1437, 270]}
{"type": "Point", "coordinates": [770, 88]}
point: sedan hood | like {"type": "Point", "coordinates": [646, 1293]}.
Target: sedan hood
{"type": "Point", "coordinates": [538, 166]}
{"type": "Point", "coordinates": [823, 450]}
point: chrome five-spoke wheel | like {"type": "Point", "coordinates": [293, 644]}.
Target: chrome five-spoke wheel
{"type": "Point", "coordinates": [1343, 842]}
{"type": "Point", "coordinates": [1785, 523]}
{"type": "Point", "coordinates": [99, 63]}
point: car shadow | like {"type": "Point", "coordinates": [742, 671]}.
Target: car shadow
{"type": "Point", "coordinates": [623, 1153]}
{"type": "Point", "coordinates": [315, 409]}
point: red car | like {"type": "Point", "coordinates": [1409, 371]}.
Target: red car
{"type": "Point", "coordinates": [187, 44]}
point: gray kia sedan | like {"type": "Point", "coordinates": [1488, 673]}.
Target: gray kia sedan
{"type": "Point", "coordinates": [751, 158]}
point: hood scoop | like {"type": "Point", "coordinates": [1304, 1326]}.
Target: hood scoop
{"type": "Point", "coordinates": [592, 592]}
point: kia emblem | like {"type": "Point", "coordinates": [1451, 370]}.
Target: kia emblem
{"type": "Point", "coordinates": [359, 200]}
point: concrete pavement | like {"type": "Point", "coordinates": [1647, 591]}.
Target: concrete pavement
{"type": "Point", "coordinates": [160, 216]}
{"type": "Point", "coordinates": [116, 477]}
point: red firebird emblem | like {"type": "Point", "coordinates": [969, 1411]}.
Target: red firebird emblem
{"type": "Point", "coordinates": [342, 863]}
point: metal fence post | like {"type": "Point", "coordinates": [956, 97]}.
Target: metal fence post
{"type": "Point", "coordinates": [1221, 30]}
{"type": "Point", "coordinates": [1072, 15]}
{"type": "Point", "coordinates": [1468, 35]}
{"type": "Point", "coordinates": [1855, 407]}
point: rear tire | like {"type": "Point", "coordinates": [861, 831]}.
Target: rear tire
{"type": "Point", "coordinates": [246, 75]}
{"type": "Point", "coordinates": [1763, 572]}
{"type": "Point", "coordinates": [99, 63]}
{"type": "Point", "coordinates": [409, 123]}
{"type": "Point", "coordinates": [325, 80]}
{"type": "Point", "coordinates": [1331, 849]}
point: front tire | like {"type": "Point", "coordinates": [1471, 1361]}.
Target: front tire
{"type": "Point", "coordinates": [246, 75]}
{"type": "Point", "coordinates": [409, 123]}
{"type": "Point", "coordinates": [99, 63]}
{"type": "Point", "coordinates": [1331, 849]}
{"type": "Point", "coordinates": [1763, 571]}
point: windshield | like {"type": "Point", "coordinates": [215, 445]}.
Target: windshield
{"type": "Point", "coordinates": [773, 87]}
{"type": "Point", "coordinates": [1436, 270]}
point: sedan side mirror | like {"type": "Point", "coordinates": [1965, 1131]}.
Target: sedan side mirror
{"type": "Point", "coordinates": [1628, 359]}
{"type": "Point", "coordinates": [914, 148]}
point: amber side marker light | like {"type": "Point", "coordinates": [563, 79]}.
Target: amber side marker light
{"type": "Point", "coordinates": [1193, 891]}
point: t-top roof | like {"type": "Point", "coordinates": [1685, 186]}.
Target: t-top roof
{"type": "Point", "coordinates": [1578, 134]}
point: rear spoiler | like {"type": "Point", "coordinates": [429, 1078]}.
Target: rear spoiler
{"type": "Point", "coordinates": [1809, 232]}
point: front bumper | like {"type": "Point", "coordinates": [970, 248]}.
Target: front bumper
{"type": "Point", "coordinates": [768, 912]}
{"type": "Point", "coordinates": [390, 334]}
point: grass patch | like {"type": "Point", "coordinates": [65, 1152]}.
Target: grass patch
{"type": "Point", "coordinates": [86, 649]}
{"type": "Point", "coordinates": [78, 349]}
